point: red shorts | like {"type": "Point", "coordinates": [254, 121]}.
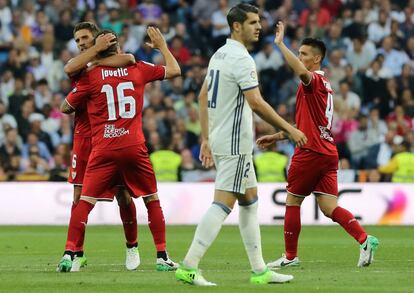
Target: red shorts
{"type": "Point", "coordinates": [80, 154]}
{"type": "Point", "coordinates": [108, 169]}
{"type": "Point", "coordinates": [312, 172]}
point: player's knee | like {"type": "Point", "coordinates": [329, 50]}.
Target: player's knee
{"type": "Point", "coordinates": [89, 199]}
{"type": "Point", "coordinates": [327, 212]}
{"type": "Point", "coordinates": [150, 198]}
{"type": "Point", "coordinates": [77, 190]}
{"type": "Point", "coordinates": [248, 202]}
{"type": "Point", "coordinates": [223, 206]}
{"type": "Point", "coordinates": [293, 200]}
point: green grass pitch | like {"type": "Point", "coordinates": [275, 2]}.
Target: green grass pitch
{"type": "Point", "coordinates": [29, 255]}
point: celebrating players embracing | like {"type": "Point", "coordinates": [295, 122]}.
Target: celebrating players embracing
{"type": "Point", "coordinates": [119, 157]}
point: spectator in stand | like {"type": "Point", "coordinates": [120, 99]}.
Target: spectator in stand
{"type": "Point", "coordinates": [336, 68]}
{"type": "Point", "coordinates": [188, 171]}
{"type": "Point", "coordinates": [363, 145]}
{"type": "Point", "coordinates": [334, 40]}
{"type": "Point", "coordinates": [166, 29]}
{"type": "Point", "coordinates": [345, 173]}
{"type": "Point", "coordinates": [401, 166]}
{"type": "Point", "coordinates": [323, 17]}
{"type": "Point", "coordinates": [377, 124]}
{"type": "Point", "coordinates": [377, 30]}
{"type": "Point", "coordinates": [60, 171]}
{"type": "Point", "coordinates": [113, 23]}
{"type": "Point", "coordinates": [394, 59]}
{"type": "Point", "coordinates": [375, 88]}
{"type": "Point", "coordinates": [7, 121]}
{"type": "Point", "coordinates": [397, 119]}
{"type": "Point", "coordinates": [406, 79]}
{"type": "Point", "coordinates": [145, 53]}
{"type": "Point", "coordinates": [202, 12]}
{"type": "Point", "coordinates": [34, 164]}
{"type": "Point", "coordinates": [361, 53]}
{"type": "Point", "coordinates": [15, 100]}
{"type": "Point", "coordinates": [6, 86]}
{"type": "Point", "coordinates": [408, 102]}
{"type": "Point", "coordinates": [151, 12]}
{"type": "Point", "coordinates": [386, 148]}
{"type": "Point", "coordinates": [22, 118]}
{"type": "Point", "coordinates": [33, 140]}
{"type": "Point", "coordinates": [64, 28]}
{"type": "Point", "coordinates": [268, 61]}
{"type": "Point", "coordinates": [221, 29]}
{"type": "Point", "coordinates": [351, 99]}
{"type": "Point", "coordinates": [180, 51]}
{"type": "Point", "coordinates": [353, 79]}
{"type": "Point", "coordinates": [9, 148]}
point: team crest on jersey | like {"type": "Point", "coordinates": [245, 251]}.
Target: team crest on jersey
{"type": "Point", "coordinates": [326, 133]}
{"type": "Point", "coordinates": [74, 90]}
{"type": "Point", "coordinates": [73, 174]}
{"type": "Point", "coordinates": [253, 75]}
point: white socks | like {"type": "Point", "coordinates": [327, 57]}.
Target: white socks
{"type": "Point", "coordinates": [250, 233]}
{"type": "Point", "coordinates": [207, 230]}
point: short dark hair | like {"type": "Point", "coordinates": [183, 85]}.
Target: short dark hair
{"type": "Point", "coordinates": [85, 25]}
{"type": "Point", "coordinates": [317, 44]}
{"type": "Point", "coordinates": [112, 50]}
{"type": "Point", "coordinates": [239, 12]}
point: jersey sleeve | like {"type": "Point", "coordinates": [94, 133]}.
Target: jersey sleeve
{"type": "Point", "coordinates": [315, 83]}
{"type": "Point", "coordinates": [151, 71]}
{"type": "Point", "coordinates": [246, 74]}
{"type": "Point", "coordinates": [77, 97]}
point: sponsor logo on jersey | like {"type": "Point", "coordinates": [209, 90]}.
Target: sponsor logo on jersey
{"type": "Point", "coordinates": [73, 174]}
{"type": "Point", "coordinates": [111, 131]}
{"type": "Point", "coordinates": [119, 72]}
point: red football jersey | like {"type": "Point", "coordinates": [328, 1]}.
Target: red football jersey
{"type": "Point", "coordinates": [314, 113]}
{"type": "Point", "coordinates": [82, 127]}
{"type": "Point", "coordinates": [114, 100]}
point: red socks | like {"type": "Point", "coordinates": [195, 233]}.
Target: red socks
{"type": "Point", "coordinates": [156, 224]}
{"type": "Point", "coordinates": [77, 225]}
{"type": "Point", "coordinates": [129, 220]}
{"type": "Point", "coordinates": [349, 223]}
{"type": "Point", "coordinates": [292, 230]}
{"type": "Point", "coordinates": [82, 239]}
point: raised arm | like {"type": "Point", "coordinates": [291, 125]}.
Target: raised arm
{"type": "Point", "coordinates": [293, 61]}
{"type": "Point", "coordinates": [158, 42]}
{"type": "Point", "coordinates": [263, 109]}
{"type": "Point", "coordinates": [80, 62]}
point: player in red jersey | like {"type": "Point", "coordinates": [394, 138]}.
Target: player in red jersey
{"type": "Point", "coordinates": [314, 166]}
{"type": "Point", "coordinates": [84, 34]}
{"type": "Point", "coordinates": [114, 101]}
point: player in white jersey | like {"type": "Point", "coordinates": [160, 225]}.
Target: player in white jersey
{"type": "Point", "coordinates": [227, 100]}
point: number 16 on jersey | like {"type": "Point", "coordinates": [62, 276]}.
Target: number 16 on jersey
{"type": "Point", "coordinates": [213, 82]}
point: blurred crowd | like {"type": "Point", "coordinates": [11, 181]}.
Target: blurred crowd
{"type": "Point", "coordinates": [370, 63]}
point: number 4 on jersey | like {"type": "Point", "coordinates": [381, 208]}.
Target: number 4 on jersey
{"type": "Point", "coordinates": [122, 100]}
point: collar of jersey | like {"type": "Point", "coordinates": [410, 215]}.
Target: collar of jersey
{"type": "Point", "coordinates": [235, 43]}
{"type": "Point", "coordinates": [320, 72]}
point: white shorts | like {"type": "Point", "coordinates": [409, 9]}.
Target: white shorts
{"type": "Point", "coordinates": [234, 173]}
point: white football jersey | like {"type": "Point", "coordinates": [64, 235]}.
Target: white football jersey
{"type": "Point", "coordinates": [230, 119]}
